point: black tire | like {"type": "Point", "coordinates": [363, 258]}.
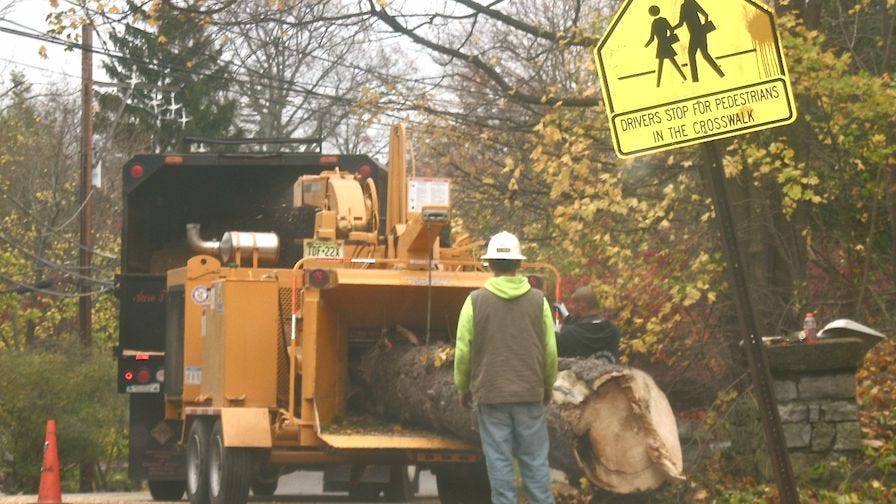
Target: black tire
{"type": "Point", "coordinates": [400, 488]}
{"type": "Point", "coordinates": [365, 492]}
{"type": "Point", "coordinates": [167, 490]}
{"type": "Point", "coordinates": [197, 462]}
{"type": "Point", "coordinates": [229, 470]}
{"type": "Point", "coordinates": [463, 484]}
{"type": "Point", "coordinates": [264, 488]}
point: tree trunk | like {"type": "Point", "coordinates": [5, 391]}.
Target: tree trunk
{"type": "Point", "coordinates": [606, 422]}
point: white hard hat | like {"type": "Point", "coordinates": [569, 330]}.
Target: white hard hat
{"type": "Point", "coordinates": [504, 246]}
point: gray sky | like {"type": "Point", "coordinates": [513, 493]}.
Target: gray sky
{"type": "Point", "coordinates": [20, 52]}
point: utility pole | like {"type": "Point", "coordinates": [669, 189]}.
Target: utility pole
{"type": "Point", "coordinates": [85, 318]}
{"type": "Point", "coordinates": [85, 303]}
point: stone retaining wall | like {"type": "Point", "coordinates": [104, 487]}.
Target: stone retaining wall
{"type": "Point", "coordinates": [815, 387]}
{"type": "Point", "coordinates": [819, 416]}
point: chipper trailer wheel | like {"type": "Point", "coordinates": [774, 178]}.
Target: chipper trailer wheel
{"type": "Point", "coordinates": [463, 484]}
{"type": "Point", "coordinates": [264, 487]}
{"type": "Point", "coordinates": [197, 462]}
{"type": "Point", "coordinates": [229, 470]}
{"type": "Point", "coordinates": [166, 490]}
{"type": "Point", "coordinates": [401, 486]}
{"type": "Point", "coordinates": [264, 483]}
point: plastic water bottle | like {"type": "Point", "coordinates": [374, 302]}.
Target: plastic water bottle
{"type": "Point", "coordinates": [809, 329]}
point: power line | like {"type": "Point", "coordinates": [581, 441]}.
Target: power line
{"type": "Point", "coordinates": [162, 66]}
{"type": "Point", "coordinates": [55, 230]}
{"type": "Point", "coordinates": [54, 266]}
{"type": "Point", "coordinates": [23, 288]}
{"type": "Point", "coordinates": [265, 84]}
{"type": "Point", "coordinates": [282, 85]}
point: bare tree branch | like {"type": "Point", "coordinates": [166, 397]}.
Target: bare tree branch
{"type": "Point", "coordinates": [511, 91]}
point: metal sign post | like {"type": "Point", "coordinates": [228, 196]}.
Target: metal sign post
{"type": "Point", "coordinates": [762, 380]}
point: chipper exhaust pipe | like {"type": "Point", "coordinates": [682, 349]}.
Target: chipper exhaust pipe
{"type": "Point", "coordinates": [199, 245]}
{"type": "Point", "coordinates": [236, 245]}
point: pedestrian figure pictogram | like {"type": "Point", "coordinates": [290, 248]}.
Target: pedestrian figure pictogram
{"type": "Point", "coordinates": [698, 29]}
{"type": "Point", "coordinates": [737, 79]}
{"type": "Point", "coordinates": [661, 31]}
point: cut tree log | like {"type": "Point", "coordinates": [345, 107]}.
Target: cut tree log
{"type": "Point", "coordinates": [607, 422]}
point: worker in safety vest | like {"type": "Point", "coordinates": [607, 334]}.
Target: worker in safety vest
{"type": "Point", "coordinates": [506, 364]}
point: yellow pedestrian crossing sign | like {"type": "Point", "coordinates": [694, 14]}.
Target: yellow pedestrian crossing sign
{"type": "Point", "coordinates": [682, 72]}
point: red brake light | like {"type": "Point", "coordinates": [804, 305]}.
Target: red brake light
{"type": "Point", "coordinates": [329, 160]}
{"type": "Point", "coordinates": [318, 278]}
{"type": "Point", "coordinates": [142, 356]}
{"type": "Point", "coordinates": [143, 375]}
{"type": "Point", "coordinates": [174, 160]}
{"type": "Point", "coordinates": [128, 376]}
{"type": "Point", "coordinates": [137, 171]}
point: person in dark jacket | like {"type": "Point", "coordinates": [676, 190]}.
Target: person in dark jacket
{"type": "Point", "coordinates": [584, 332]}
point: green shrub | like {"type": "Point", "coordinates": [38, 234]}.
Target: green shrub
{"type": "Point", "coordinates": [71, 386]}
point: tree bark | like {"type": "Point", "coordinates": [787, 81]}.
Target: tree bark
{"type": "Point", "coordinates": [606, 422]}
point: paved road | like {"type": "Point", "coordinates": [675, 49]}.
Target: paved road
{"type": "Point", "coordinates": [304, 487]}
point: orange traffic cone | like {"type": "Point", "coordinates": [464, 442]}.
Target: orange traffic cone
{"type": "Point", "coordinates": [50, 486]}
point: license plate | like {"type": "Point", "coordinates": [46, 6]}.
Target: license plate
{"type": "Point", "coordinates": [149, 387]}
{"type": "Point", "coordinates": [324, 249]}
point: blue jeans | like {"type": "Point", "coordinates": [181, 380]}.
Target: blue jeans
{"type": "Point", "coordinates": [518, 429]}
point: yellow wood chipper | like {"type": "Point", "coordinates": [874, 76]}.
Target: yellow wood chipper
{"type": "Point", "coordinates": [237, 353]}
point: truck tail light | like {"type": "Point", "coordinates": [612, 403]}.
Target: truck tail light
{"type": "Point", "coordinates": [143, 375]}
{"type": "Point", "coordinates": [319, 279]}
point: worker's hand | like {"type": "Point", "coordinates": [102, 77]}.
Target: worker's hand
{"type": "Point", "coordinates": [561, 309]}
{"type": "Point", "coordinates": [466, 400]}
{"type": "Point", "coordinates": [548, 394]}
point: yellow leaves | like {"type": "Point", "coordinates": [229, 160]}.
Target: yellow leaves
{"type": "Point", "coordinates": [54, 4]}
{"type": "Point", "coordinates": [551, 135]}
{"type": "Point", "coordinates": [163, 39]}
{"type": "Point", "coordinates": [42, 51]}
{"type": "Point", "coordinates": [793, 191]}
{"type": "Point", "coordinates": [638, 345]}
{"type": "Point", "coordinates": [442, 356]}
{"type": "Point", "coordinates": [692, 295]}
{"type": "Point", "coordinates": [509, 164]}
